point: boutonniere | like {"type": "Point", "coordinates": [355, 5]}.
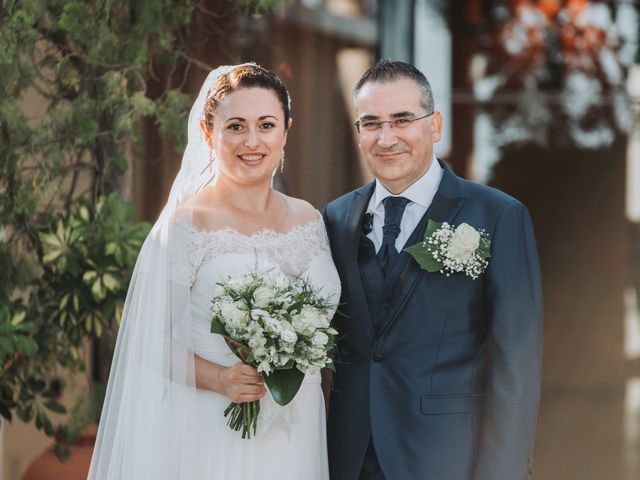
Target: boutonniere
{"type": "Point", "coordinates": [446, 249]}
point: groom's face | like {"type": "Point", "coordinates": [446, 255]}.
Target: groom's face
{"type": "Point", "coordinates": [396, 156]}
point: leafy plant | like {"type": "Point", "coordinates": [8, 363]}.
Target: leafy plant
{"type": "Point", "coordinates": [68, 243]}
{"type": "Point", "coordinates": [87, 258]}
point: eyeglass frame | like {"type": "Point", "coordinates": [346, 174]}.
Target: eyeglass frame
{"type": "Point", "coordinates": [391, 122]}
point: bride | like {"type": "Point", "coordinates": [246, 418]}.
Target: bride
{"type": "Point", "coordinates": [171, 379]}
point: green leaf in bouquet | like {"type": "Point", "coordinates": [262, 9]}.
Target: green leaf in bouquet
{"type": "Point", "coordinates": [288, 365]}
{"type": "Point", "coordinates": [284, 384]}
{"type": "Point", "coordinates": [218, 327]}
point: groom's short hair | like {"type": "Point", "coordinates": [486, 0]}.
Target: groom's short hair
{"type": "Point", "coordinates": [388, 70]}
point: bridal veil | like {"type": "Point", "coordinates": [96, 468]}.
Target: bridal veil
{"type": "Point", "coordinates": [144, 430]}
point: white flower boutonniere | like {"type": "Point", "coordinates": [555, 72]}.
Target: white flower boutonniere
{"type": "Point", "coordinates": [450, 250]}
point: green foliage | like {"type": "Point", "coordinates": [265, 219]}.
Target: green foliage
{"type": "Point", "coordinates": [87, 257]}
{"type": "Point", "coordinates": [89, 254]}
{"type": "Point", "coordinates": [68, 244]}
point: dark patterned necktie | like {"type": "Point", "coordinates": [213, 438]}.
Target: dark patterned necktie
{"type": "Point", "coordinates": [393, 210]}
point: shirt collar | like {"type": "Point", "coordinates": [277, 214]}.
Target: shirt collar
{"type": "Point", "coordinates": [420, 192]}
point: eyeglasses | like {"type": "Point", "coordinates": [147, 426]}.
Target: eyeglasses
{"type": "Point", "coordinates": [375, 125]}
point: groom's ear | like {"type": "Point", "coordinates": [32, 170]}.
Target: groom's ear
{"type": "Point", "coordinates": [436, 127]}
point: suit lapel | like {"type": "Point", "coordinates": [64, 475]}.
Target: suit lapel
{"type": "Point", "coordinates": [445, 206]}
{"type": "Point", "coordinates": [354, 280]}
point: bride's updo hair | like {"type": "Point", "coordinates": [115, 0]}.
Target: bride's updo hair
{"type": "Point", "coordinates": [246, 76]}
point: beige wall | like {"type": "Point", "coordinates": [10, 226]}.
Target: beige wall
{"type": "Point", "coordinates": [21, 444]}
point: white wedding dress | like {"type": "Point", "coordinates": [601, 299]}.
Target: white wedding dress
{"type": "Point", "coordinates": [155, 423]}
{"type": "Point", "coordinates": [290, 443]}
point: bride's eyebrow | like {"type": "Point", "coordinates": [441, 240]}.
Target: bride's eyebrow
{"type": "Point", "coordinates": [241, 119]}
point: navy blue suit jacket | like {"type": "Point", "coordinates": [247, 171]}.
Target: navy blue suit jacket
{"type": "Point", "coordinates": [449, 386]}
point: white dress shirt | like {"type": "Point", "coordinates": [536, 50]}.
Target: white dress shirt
{"type": "Point", "coordinates": [420, 195]}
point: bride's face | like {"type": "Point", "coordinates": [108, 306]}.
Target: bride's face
{"type": "Point", "coordinates": [249, 135]}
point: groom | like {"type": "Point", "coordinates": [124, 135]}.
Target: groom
{"type": "Point", "coordinates": [437, 376]}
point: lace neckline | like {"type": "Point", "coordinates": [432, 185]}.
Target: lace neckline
{"type": "Point", "coordinates": [292, 250]}
{"type": "Point", "coordinates": [263, 232]}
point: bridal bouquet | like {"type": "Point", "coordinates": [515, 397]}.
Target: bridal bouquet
{"type": "Point", "coordinates": [280, 325]}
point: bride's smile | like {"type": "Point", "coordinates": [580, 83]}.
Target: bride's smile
{"type": "Point", "coordinates": [252, 159]}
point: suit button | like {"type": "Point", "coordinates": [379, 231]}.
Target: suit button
{"type": "Point", "coordinates": [378, 357]}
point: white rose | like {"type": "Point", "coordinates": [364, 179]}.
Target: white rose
{"type": "Point", "coordinates": [464, 242]}
{"type": "Point", "coordinates": [317, 352]}
{"type": "Point", "coordinates": [257, 342]}
{"type": "Point", "coordinates": [271, 325]}
{"type": "Point", "coordinates": [324, 321]}
{"type": "Point", "coordinates": [288, 347]}
{"type": "Point", "coordinates": [308, 320]}
{"type": "Point", "coordinates": [263, 295]}
{"type": "Point", "coordinates": [288, 334]}
{"type": "Point", "coordinates": [260, 353]}
{"type": "Point", "coordinates": [232, 314]}
{"type": "Point", "coordinates": [299, 324]}
{"type": "Point", "coordinates": [254, 329]}
{"type": "Point", "coordinates": [319, 339]}
{"type": "Point", "coordinates": [258, 313]}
